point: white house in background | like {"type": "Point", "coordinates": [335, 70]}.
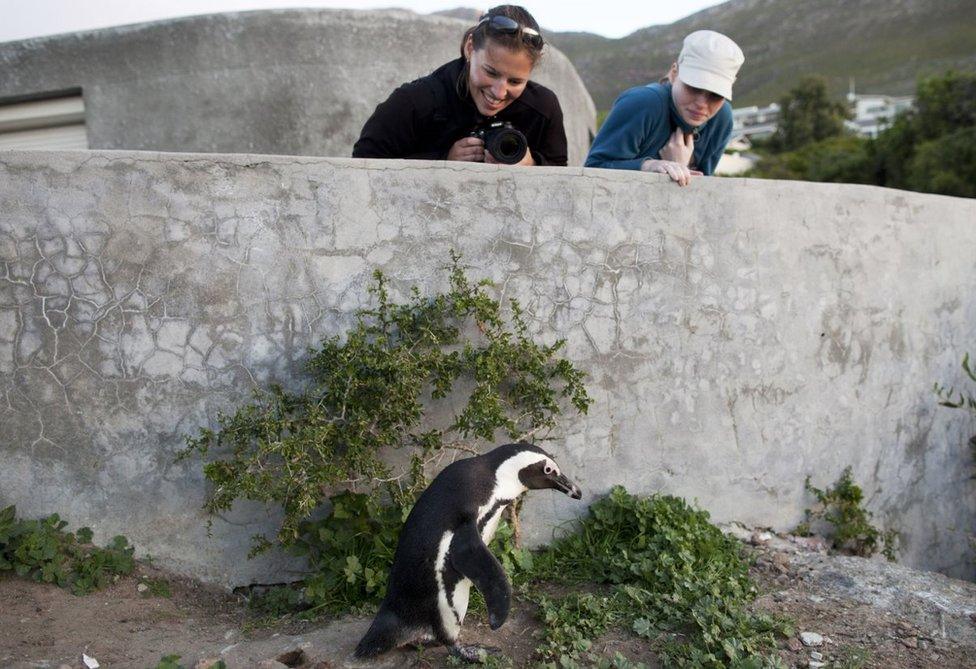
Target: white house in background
{"type": "Point", "coordinates": [870, 114]}
{"type": "Point", "coordinates": [754, 121]}
{"type": "Point", "coordinates": [874, 113]}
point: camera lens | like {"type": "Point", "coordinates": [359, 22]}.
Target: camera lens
{"type": "Point", "coordinates": [507, 145]}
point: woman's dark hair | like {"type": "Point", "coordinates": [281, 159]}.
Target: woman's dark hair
{"type": "Point", "coordinates": [481, 32]}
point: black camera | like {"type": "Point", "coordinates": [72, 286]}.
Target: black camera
{"type": "Point", "coordinates": [503, 141]}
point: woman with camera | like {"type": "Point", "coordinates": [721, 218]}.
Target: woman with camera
{"type": "Point", "coordinates": [680, 125]}
{"type": "Point", "coordinates": [450, 113]}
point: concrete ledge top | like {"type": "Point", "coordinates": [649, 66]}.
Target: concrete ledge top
{"type": "Point", "coordinates": [12, 156]}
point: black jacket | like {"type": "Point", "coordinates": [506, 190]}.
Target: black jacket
{"type": "Point", "coordinates": [423, 119]}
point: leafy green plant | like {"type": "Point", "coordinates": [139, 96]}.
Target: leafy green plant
{"type": "Point", "coordinates": [156, 587]}
{"type": "Point", "coordinates": [570, 624]}
{"type": "Point", "coordinates": [321, 449]}
{"type": "Point", "coordinates": [851, 531]}
{"type": "Point", "coordinates": [169, 662]}
{"type": "Point", "coordinates": [948, 397]}
{"type": "Point", "coordinates": [42, 550]}
{"type": "Point", "coordinates": [676, 580]}
{"type": "Point", "coordinates": [350, 551]}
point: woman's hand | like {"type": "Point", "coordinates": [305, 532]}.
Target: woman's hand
{"type": "Point", "coordinates": [469, 149]}
{"type": "Point", "coordinates": [680, 148]}
{"type": "Point", "coordinates": [526, 161]}
{"type": "Point", "coordinates": [681, 174]}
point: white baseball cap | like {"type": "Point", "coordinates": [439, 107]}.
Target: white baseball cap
{"type": "Point", "coordinates": [710, 60]}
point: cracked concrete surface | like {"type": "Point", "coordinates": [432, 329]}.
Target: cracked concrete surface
{"type": "Point", "coordinates": [739, 335]}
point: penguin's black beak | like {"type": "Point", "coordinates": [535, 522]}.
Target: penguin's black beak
{"type": "Point", "coordinates": [564, 485]}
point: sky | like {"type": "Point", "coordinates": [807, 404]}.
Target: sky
{"type": "Point", "coordinates": [20, 19]}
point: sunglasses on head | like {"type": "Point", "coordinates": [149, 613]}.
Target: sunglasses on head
{"type": "Point", "coordinates": [504, 25]}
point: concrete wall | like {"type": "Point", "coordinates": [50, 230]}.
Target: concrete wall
{"type": "Point", "coordinates": [739, 335]}
{"type": "Point", "coordinates": [296, 82]}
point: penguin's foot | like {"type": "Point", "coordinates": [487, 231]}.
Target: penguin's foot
{"type": "Point", "coordinates": [475, 654]}
{"type": "Point", "coordinates": [425, 641]}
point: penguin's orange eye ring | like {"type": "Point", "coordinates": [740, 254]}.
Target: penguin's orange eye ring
{"type": "Point", "coordinates": [547, 470]}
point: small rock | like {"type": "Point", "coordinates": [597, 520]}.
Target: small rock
{"type": "Point", "coordinates": [816, 599]}
{"type": "Point", "coordinates": [758, 538]}
{"type": "Point", "coordinates": [811, 639]}
{"type": "Point", "coordinates": [142, 587]}
{"type": "Point", "coordinates": [813, 664]}
{"type": "Point", "coordinates": [779, 596]}
{"type": "Point", "coordinates": [794, 644]}
{"type": "Point", "coordinates": [271, 664]}
{"type": "Point", "coordinates": [923, 644]}
{"type": "Point", "coordinates": [781, 563]}
{"type": "Point", "coordinates": [910, 642]}
{"type": "Point", "coordinates": [206, 663]}
{"type": "Point", "coordinates": [229, 634]}
{"type": "Point", "coordinates": [814, 655]}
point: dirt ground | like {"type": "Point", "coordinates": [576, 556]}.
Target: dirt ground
{"type": "Point", "coordinates": [867, 613]}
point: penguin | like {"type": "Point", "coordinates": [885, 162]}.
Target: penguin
{"type": "Point", "coordinates": [443, 549]}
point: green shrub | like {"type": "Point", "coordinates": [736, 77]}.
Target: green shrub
{"type": "Point", "coordinates": [42, 550]}
{"type": "Point", "coordinates": [366, 394]}
{"type": "Point", "coordinates": [843, 159]}
{"type": "Point", "coordinates": [349, 552]}
{"type": "Point", "coordinates": [851, 531]}
{"type": "Point", "coordinates": [946, 165]}
{"type": "Point", "coordinates": [676, 580]}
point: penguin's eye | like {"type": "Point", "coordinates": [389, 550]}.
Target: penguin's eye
{"type": "Point", "coordinates": [547, 470]}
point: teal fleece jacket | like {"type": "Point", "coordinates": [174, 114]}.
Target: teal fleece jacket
{"type": "Point", "coordinates": [640, 123]}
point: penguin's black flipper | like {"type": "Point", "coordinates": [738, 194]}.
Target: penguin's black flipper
{"type": "Point", "coordinates": [471, 557]}
{"type": "Point", "coordinates": [382, 635]}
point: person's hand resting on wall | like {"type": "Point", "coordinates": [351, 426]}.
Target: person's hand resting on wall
{"type": "Point", "coordinates": [675, 158]}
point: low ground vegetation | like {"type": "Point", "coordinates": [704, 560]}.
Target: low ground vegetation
{"type": "Point", "coordinates": [842, 518]}
{"type": "Point", "coordinates": [42, 550]}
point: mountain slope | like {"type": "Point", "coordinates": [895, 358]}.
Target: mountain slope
{"type": "Point", "coordinates": [884, 44]}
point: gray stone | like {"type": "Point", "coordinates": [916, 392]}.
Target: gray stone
{"type": "Point", "coordinates": [811, 639]}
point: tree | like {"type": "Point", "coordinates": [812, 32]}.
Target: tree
{"type": "Point", "coordinates": [808, 115]}
{"type": "Point", "coordinates": [930, 148]}
{"type": "Point", "coordinates": [946, 165]}
{"type": "Point", "coordinates": [843, 159]}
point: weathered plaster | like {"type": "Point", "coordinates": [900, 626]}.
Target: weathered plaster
{"type": "Point", "coordinates": [739, 334]}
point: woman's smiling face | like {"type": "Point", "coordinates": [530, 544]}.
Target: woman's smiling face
{"type": "Point", "coordinates": [496, 76]}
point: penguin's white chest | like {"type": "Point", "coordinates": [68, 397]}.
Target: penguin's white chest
{"type": "Point", "coordinates": [491, 525]}
{"type": "Point", "coordinates": [451, 608]}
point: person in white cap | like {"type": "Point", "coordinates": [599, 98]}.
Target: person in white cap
{"type": "Point", "coordinates": [680, 125]}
